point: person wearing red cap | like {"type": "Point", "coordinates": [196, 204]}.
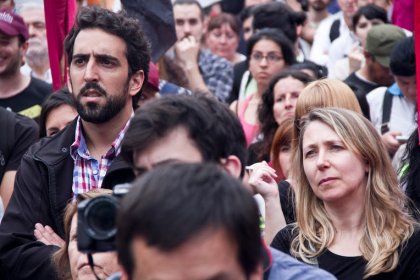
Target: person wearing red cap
{"type": "Point", "coordinates": [19, 93]}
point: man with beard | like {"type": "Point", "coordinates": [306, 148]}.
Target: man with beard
{"type": "Point", "coordinates": [108, 58]}
{"type": "Point", "coordinates": [317, 11]}
{"type": "Point", "coordinates": [18, 92]}
{"type": "Point", "coordinates": [37, 60]}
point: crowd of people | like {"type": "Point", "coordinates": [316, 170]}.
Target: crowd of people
{"type": "Point", "coordinates": [273, 140]}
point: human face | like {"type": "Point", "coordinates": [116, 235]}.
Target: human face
{"type": "Point", "coordinates": [177, 146]}
{"type": "Point", "coordinates": [223, 41]}
{"type": "Point", "coordinates": [381, 3]}
{"type": "Point", "coordinates": [408, 86]}
{"type": "Point", "coordinates": [105, 264]}
{"type": "Point", "coordinates": [99, 76]}
{"type": "Point", "coordinates": [11, 55]}
{"type": "Point", "coordinates": [188, 21]}
{"type": "Point", "coordinates": [263, 70]}
{"type": "Point", "coordinates": [247, 28]}
{"type": "Point", "coordinates": [319, 5]}
{"type": "Point", "coordinates": [363, 26]}
{"type": "Point", "coordinates": [335, 174]}
{"type": "Point", "coordinates": [210, 254]}
{"type": "Point", "coordinates": [349, 7]}
{"type": "Point", "coordinates": [35, 21]}
{"type": "Point", "coordinates": [378, 73]}
{"type": "Point", "coordinates": [286, 92]}
{"type": "Point", "coordinates": [58, 118]}
{"type": "Point", "coordinates": [255, 2]}
{"type": "Point", "coordinates": [285, 159]}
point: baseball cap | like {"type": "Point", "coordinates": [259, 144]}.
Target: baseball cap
{"type": "Point", "coordinates": [12, 24]}
{"type": "Point", "coordinates": [380, 41]}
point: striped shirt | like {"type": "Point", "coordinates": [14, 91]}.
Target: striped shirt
{"type": "Point", "coordinates": [88, 173]}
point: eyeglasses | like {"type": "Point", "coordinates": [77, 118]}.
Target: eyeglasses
{"type": "Point", "coordinates": [271, 57]}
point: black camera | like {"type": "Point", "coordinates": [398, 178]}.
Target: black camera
{"type": "Point", "coordinates": [96, 226]}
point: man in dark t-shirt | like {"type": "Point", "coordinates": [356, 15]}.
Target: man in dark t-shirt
{"type": "Point", "coordinates": [18, 92]}
{"type": "Point", "coordinates": [21, 133]}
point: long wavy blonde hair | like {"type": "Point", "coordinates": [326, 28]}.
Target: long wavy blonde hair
{"type": "Point", "coordinates": [387, 226]}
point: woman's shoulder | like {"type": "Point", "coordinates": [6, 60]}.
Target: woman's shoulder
{"type": "Point", "coordinates": [283, 239]}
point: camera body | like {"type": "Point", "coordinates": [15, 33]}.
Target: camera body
{"type": "Point", "coordinates": [96, 226]}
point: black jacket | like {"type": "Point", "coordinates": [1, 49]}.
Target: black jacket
{"type": "Point", "coordinates": [43, 187]}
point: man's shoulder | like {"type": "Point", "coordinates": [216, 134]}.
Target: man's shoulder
{"type": "Point", "coordinates": [53, 148]}
{"type": "Point", "coordinates": [209, 60]}
{"type": "Point", "coordinates": [288, 268]}
{"type": "Point", "coordinates": [39, 86]}
{"type": "Point", "coordinates": [376, 95]}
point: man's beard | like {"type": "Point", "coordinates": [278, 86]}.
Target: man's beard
{"type": "Point", "coordinates": [13, 67]}
{"type": "Point", "coordinates": [95, 113]}
{"type": "Point", "coordinates": [37, 54]}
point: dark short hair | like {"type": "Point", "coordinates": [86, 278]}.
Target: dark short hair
{"type": "Point", "coordinates": [278, 37]}
{"type": "Point", "coordinates": [265, 109]}
{"type": "Point", "coordinates": [211, 125]}
{"type": "Point", "coordinates": [190, 2]}
{"type": "Point", "coordinates": [246, 13]}
{"type": "Point", "coordinates": [370, 11]}
{"type": "Point", "coordinates": [173, 203]}
{"type": "Point", "coordinates": [319, 71]}
{"type": "Point", "coordinates": [278, 15]}
{"type": "Point", "coordinates": [120, 25]}
{"type": "Point", "coordinates": [403, 58]}
{"type": "Point", "coordinates": [54, 100]}
{"type": "Point", "coordinates": [224, 18]}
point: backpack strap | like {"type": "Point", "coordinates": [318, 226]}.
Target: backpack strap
{"type": "Point", "coordinates": [386, 111]}
{"type": "Point", "coordinates": [335, 30]}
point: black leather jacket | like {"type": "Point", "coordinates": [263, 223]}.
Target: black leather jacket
{"type": "Point", "coordinates": [43, 188]}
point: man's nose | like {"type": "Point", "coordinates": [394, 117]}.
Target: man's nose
{"type": "Point", "coordinates": [91, 73]}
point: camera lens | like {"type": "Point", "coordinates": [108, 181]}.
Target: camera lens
{"type": "Point", "coordinates": [100, 218]}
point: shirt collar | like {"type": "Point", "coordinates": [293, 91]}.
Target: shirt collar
{"type": "Point", "coordinates": [395, 90]}
{"type": "Point", "coordinates": [79, 145]}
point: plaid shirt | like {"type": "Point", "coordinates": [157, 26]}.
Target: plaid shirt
{"type": "Point", "coordinates": [88, 173]}
{"type": "Point", "coordinates": [217, 73]}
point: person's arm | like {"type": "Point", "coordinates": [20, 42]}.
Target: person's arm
{"type": "Point", "coordinates": [262, 181]}
{"type": "Point", "coordinates": [6, 186]}
{"type": "Point", "coordinates": [187, 51]}
{"type": "Point", "coordinates": [21, 256]}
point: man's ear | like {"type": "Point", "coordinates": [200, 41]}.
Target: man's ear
{"type": "Point", "coordinates": [124, 275]}
{"type": "Point", "coordinates": [136, 82]}
{"type": "Point", "coordinates": [232, 165]}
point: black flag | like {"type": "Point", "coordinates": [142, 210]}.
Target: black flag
{"type": "Point", "coordinates": [157, 20]}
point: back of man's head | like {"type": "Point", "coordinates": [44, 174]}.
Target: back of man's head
{"type": "Point", "coordinates": [403, 58]}
{"type": "Point", "coordinates": [211, 126]}
{"type": "Point", "coordinates": [278, 15]}
{"type": "Point", "coordinates": [172, 204]}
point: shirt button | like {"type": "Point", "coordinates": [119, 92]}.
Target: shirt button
{"type": "Point", "coordinates": [95, 172]}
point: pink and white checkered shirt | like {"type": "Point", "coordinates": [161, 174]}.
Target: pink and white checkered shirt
{"type": "Point", "coordinates": [88, 173]}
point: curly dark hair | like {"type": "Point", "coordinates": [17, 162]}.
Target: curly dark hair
{"type": "Point", "coordinates": [265, 109]}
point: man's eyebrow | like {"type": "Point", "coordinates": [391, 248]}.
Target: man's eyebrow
{"type": "Point", "coordinates": [220, 276]}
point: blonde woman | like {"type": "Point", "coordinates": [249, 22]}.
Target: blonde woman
{"type": "Point", "coordinates": [351, 219]}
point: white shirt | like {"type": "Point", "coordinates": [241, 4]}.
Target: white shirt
{"type": "Point", "coordinates": [322, 43]}
{"type": "Point", "coordinates": [402, 117]}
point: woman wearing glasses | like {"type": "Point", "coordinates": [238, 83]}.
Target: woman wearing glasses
{"type": "Point", "coordinates": [269, 52]}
